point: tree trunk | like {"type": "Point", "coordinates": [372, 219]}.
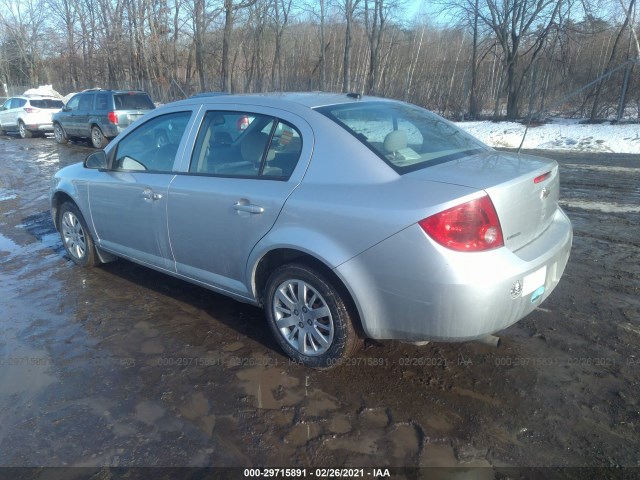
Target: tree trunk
{"type": "Point", "coordinates": [226, 41]}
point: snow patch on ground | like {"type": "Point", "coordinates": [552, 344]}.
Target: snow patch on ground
{"type": "Point", "coordinates": [559, 135]}
{"type": "Point", "coordinates": [607, 207]}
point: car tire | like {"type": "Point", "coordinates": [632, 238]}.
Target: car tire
{"type": "Point", "coordinates": [24, 131]}
{"type": "Point", "coordinates": [75, 236]}
{"type": "Point", "coordinates": [98, 140]}
{"type": "Point", "coordinates": [58, 132]}
{"type": "Point", "coordinates": [309, 317]}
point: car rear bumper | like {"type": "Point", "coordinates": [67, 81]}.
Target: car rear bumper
{"type": "Point", "coordinates": [42, 127]}
{"type": "Point", "coordinates": [410, 288]}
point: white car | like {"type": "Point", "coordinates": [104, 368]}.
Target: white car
{"type": "Point", "coordinates": [28, 114]}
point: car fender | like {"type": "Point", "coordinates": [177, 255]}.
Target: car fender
{"type": "Point", "coordinates": [325, 249]}
{"type": "Point", "coordinates": [74, 186]}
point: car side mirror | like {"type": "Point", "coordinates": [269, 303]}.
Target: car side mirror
{"type": "Point", "coordinates": [96, 161]}
{"type": "Point", "coordinates": [65, 109]}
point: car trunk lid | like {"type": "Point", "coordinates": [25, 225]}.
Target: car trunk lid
{"type": "Point", "coordinates": [524, 189]}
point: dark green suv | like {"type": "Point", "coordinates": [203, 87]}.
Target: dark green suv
{"type": "Point", "coordinates": [99, 115]}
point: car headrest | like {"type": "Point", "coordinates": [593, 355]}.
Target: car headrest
{"type": "Point", "coordinates": [394, 141]}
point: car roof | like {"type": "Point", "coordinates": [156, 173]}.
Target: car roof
{"type": "Point", "coordinates": [305, 99]}
{"type": "Point", "coordinates": [37, 97]}
{"type": "Point", "coordinates": [106, 90]}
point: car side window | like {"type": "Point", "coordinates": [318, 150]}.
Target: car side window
{"type": "Point", "coordinates": [102, 100]}
{"type": "Point", "coordinates": [7, 104]}
{"type": "Point", "coordinates": [239, 144]}
{"type": "Point", "coordinates": [73, 103]}
{"type": "Point", "coordinates": [18, 102]}
{"type": "Point", "coordinates": [85, 102]}
{"type": "Point", "coordinates": [153, 145]}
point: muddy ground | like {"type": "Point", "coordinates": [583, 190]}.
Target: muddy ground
{"type": "Point", "coordinates": [123, 366]}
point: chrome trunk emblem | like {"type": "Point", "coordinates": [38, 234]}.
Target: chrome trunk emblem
{"type": "Point", "coordinates": [545, 193]}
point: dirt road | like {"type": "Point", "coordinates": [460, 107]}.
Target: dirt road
{"type": "Point", "coordinates": [122, 366]}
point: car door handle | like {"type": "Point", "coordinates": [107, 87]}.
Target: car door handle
{"type": "Point", "coordinates": [148, 194]}
{"type": "Point", "coordinates": [243, 205]}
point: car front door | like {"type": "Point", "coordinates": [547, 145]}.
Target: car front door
{"type": "Point", "coordinates": [5, 113]}
{"type": "Point", "coordinates": [67, 117]}
{"type": "Point", "coordinates": [129, 201]}
{"type": "Point", "coordinates": [236, 187]}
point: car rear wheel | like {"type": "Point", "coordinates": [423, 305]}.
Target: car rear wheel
{"type": "Point", "coordinates": [309, 317]}
{"type": "Point", "coordinates": [24, 131]}
{"type": "Point", "coordinates": [75, 236]}
{"type": "Point", "coordinates": [58, 132]}
{"type": "Point", "coordinates": [98, 139]}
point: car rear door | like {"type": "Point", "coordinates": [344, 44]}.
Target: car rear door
{"type": "Point", "coordinates": [233, 193]}
{"type": "Point", "coordinates": [129, 201]}
{"type": "Point", "coordinates": [11, 115]}
{"type": "Point", "coordinates": [82, 115]}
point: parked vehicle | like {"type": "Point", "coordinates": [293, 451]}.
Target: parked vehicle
{"type": "Point", "coordinates": [99, 115]}
{"type": "Point", "coordinates": [28, 114]}
{"type": "Point", "coordinates": [344, 217]}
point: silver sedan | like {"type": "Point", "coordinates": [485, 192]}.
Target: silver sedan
{"type": "Point", "coordinates": [343, 216]}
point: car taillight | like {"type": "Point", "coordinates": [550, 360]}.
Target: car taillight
{"type": "Point", "coordinates": [113, 117]}
{"type": "Point", "coordinates": [542, 178]}
{"type": "Point", "coordinates": [31, 109]}
{"type": "Point", "coordinates": [471, 227]}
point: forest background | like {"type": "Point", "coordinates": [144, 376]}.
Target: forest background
{"type": "Point", "coordinates": [464, 59]}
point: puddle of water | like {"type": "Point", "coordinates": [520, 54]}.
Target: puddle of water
{"type": "Point", "coordinates": [8, 245]}
{"type": "Point", "coordinates": [271, 388]}
{"type": "Point", "coordinates": [24, 372]}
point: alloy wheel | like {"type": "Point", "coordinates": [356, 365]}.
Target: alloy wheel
{"type": "Point", "coordinates": [303, 317]}
{"type": "Point", "coordinates": [73, 235]}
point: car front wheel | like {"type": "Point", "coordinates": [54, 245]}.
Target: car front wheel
{"type": "Point", "coordinates": [75, 236]}
{"type": "Point", "coordinates": [58, 132]}
{"type": "Point", "coordinates": [24, 131]}
{"type": "Point", "coordinates": [98, 139]}
{"type": "Point", "coordinates": [309, 317]}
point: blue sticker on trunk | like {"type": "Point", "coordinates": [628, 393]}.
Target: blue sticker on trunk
{"type": "Point", "coordinates": [537, 294]}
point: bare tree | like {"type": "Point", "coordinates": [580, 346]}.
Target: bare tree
{"type": "Point", "coordinates": [67, 14]}
{"type": "Point", "coordinates": [349, 8]}
{"type": "Point", "coordinates": [629, 11]}
{"type": "Point", "coordinates": [281, 11]}
{"type": "Point", "coordinates": [229, 9]}
{"type": "Point", "coordinates": [24, 22]}
{"type": "Point", "coordinates": [512, 21]}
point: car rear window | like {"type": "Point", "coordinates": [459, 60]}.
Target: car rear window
{"type": "Point", "coordinates": [133, 101]}
{"type": "Point", "coordinates": [406, 137]}
{"type": "Point", "coordinates": [47, 103]}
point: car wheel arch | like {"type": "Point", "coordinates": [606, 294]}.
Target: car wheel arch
{"type": "Point", "coordinates": [275, 258]}
{"type": "Point", "coordinates": [57, 200]}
